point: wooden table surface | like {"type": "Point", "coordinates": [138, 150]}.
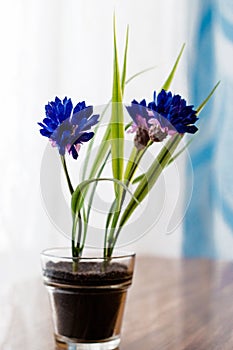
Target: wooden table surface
{"type": "Point", "coordinates": [172, 305]}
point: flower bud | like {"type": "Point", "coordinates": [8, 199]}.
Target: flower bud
{"type": "Point", "coordinates": [141, 138]}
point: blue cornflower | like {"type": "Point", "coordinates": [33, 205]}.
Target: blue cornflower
{"type": "Point", "coordinates": [174, 109]}
{"type": "Point", "coordinates": [67, 127]}
{"type": "Point", "coordinates": [166, 115]}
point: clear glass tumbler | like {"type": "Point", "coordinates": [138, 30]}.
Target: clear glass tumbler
{"type": "Point", "coordinates": [87, 296]}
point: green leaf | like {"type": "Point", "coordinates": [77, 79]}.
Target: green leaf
{"type": "Point", "coordinates": [86, 214]}
{"type": "Point", "coordinates": [131, 167]}
{"type": "Point", "coordinates": [117, 120]}
{"type": "Point", "coordinates": [123, 77]}
{"type": "Point", "coordinates": [139, 73]}
{"type": "Point", "coordinates": [128, 126]}
{"type": "Point", "coordinates": [103, 147]}
{"type": "Point", "coordinates": [207, 98]}
{"type": "Point", "coordinates": [85, 227]}
{"type": "Point", "coordinates": [151, 176]}
{"type": "Point", "coordinates": [99, 162]}
{"type": "Point", "coordinates": [168, 82]}
{"type": "Point", "coordinates": [115, 210]}
{"type": "Point", "coordinates": [77, 199]}
{"type": "Point", "coordinates": [105, 144]}
{"type": "Point", "coordinates": [131, 164]}
{"type": "Point", "coordinates": [101, 150]}
{"type": "Point", "coordinates": [94, 188]}
{"type": "Point", "coordinates": [137, 179]}
{"type": "Point", "coordinates": [110, 214]}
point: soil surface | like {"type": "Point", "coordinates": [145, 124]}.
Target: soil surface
{"type": "Point", "coordinates": [88, 273]}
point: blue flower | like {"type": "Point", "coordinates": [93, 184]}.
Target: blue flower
{"type": "Point", "coordinates": [165, 115]}
{"type": "Point", "coordinates": [67, 128]}
{"type": "Point", "coordinates": [174, 109]}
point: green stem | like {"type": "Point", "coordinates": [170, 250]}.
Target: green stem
{"type": "Point", "coordinates": [74, 250]}
{"type": "Point", "coordinates": [71, 189]}
{"type": "Point", "coordinates": [109, 241]}
{"type": "Point", "coordinates": [78, 244]}
{"type": "Point", "coordinates": [67, 174]}
{"type": "Point", "coordinates": [85, 228]}
{"type": "Point", "coordinates": [107, 252]}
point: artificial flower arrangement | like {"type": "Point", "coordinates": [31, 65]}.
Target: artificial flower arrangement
{"type": "Point", "coordinates": [167, 116]}
{"type": "Point", "coordinates": [165, 119]}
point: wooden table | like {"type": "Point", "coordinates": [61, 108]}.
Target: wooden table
{"type": "Point", "coordinates": [172, 305]}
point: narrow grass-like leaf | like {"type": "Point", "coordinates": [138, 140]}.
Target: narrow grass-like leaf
{"type": "Point", "coordinates": [139, 73]}
{"type": "Point", "coordinates": [108, 235]}
{"type": "Point", "coordinates": [110, 214]}
{"type": "Point", "coordinates": [168, 82]}
{"type": "Point", "coordinates": [128, 126]}
{"type": "Point", "coordinates": [207, 98]}
{"type": "Point", "coordinates": [131, 167]}
{"type": "Point", "coordinates": [94, 188]}
{"type": "Point", "coordinates": [100, 157]}
{"type": "Point", "coordinates": [137, 179]}
{"type": "Point", "coordinates": [123, 76]}
{"type": "Point", "coordinates": [131, 163]}
{"type": "Point", "coordinates": [105, 144]}
{"type": "Point", "coordinates": [78, 199]}
{"type": "Point", "coordinates": [85, 227]}
{"type": "Point", "coordinates": [103, 150]}
{"type": "Point", "coordinates": [100, 154]}
{"type": "Point", "coordinates": [86, 214]}
{"type": "Point", "coordinates": [117, 120]}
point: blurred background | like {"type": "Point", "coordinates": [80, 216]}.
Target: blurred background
{"type": "Point", "coordinates": [65, 48]}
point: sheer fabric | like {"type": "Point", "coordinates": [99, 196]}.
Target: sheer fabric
{"type": "Point", "coordinates": [209, 222]}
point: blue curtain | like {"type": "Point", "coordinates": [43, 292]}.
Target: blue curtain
{"type": "Point", "coordinates": [208, 225]}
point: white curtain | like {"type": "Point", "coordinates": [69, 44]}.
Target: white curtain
{"type": "Point", "coordinates": [64, 48]}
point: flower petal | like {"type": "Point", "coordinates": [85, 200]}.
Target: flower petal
{"type": "Point", "coordinates": [85, 137]}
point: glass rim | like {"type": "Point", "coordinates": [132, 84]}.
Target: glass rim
{"type": "Point", "coordinates": [117, 254]}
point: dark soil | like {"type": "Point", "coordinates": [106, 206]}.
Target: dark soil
{"type": "Point", "coordinates": [88, 273]}
{"type": "Point", "coordinates": [93, 313]}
